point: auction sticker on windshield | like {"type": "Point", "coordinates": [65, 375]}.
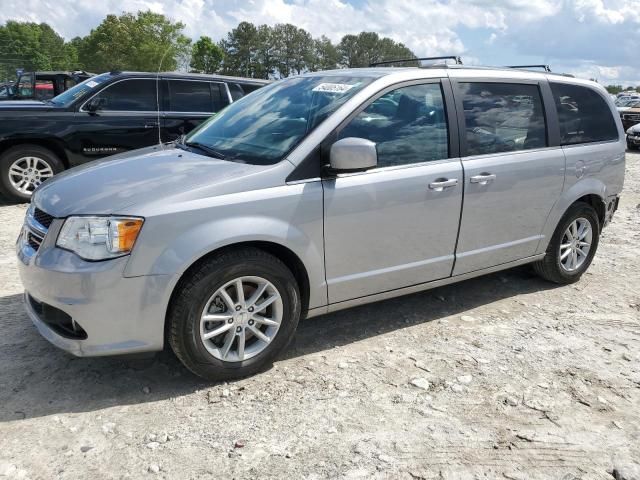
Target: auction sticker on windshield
{"type": "Point", "coordinates": [333, 87]}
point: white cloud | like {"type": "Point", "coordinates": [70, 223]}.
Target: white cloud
{"type": "Point", "coordinates": [596, 36]}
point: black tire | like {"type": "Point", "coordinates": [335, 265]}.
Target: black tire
{"type": "Point", "coordinates": [192, 294]}
{"type": "Point", "coordinates": [14, 153]}
{"type": "Point", "coordinates": [631, 146]}
{"type": "Point", "coordinates": [550, 267]}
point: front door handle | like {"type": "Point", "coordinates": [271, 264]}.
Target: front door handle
{"type": "Point", "coordinates": [441, 183]}
{"type": "Point", "coordinates": [483, 178]}
{"type": "Point", "coordinates": [151, 125]}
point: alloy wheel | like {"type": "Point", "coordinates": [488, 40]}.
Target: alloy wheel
{"type": "Point", "coordinates": [27, 173]}
{"type": "Point", "coordinates": [241, 319]}
{"type": "Point", "coordinates": [576, 244]}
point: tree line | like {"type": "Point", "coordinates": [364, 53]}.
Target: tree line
{"type": "Point", "coordinates": [147, 41]}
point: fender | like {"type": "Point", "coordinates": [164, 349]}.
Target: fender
{"type": "Point", "coordinates": [586, 186]}
{"type": "Point", "coordinates": [293, 221]}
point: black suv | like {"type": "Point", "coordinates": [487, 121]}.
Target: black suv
{"type": "Point", "coordinates": [104, 115]}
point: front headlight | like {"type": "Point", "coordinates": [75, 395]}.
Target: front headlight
{"type": "Point", "coordinates": [99, 238]}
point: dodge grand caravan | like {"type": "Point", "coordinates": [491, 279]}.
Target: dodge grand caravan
{"type": "Point", "coordinates": [315, 194]}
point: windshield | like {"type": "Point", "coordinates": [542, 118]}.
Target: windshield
{"type": "Point", "coordinates": [264, 126]}
{"type": "Point", "coordinates": [69, 96]}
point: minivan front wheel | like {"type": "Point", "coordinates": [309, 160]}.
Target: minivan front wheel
{"type": "Point", "coordinates": [233, 314]}
{"type": "Point", "coordinates": [572, 246]}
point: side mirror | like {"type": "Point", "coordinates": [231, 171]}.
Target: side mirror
{"type": "Point", "coordinates": [96, 104]}
{"type": "Point", "coordinates": [353, 154]}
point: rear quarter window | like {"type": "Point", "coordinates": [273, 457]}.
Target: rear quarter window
{"type": "Point", "coordinates": [583, 114]}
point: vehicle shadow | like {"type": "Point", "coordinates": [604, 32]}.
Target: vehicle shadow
{"type": "Point", "coordinates": [37, 379]}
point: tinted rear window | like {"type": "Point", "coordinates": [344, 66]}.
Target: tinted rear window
{"type": "Point", "coordinates": [583, 114]}
{"type": "Point", "coordinates": [189, 96]}
{"type": "Point", "coordinates": [502, 117]}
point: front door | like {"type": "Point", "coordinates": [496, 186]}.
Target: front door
{"type": "Point", "coordinates": [395, 225]}
{"type": "Point", "coordinates": [512, 176]}
{"type": "Point", "coordinates": [127, 119]}
{"type": "Point", "coordinates": [188, 103]}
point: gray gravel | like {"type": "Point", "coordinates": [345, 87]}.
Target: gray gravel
{"type": "Point", "coordinates": [500, 377]}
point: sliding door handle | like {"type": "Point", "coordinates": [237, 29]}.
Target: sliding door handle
{"type": "Point", "coordinates": [483, 178]}
{"type": "Point", "coordinates": [441, 183]}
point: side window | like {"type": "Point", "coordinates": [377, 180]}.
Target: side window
{"type": "Point", "coordinates": [502, 117]}
{"type": "Point", "coordinates": [408, 125]}
{"type": "Point", "coordinates": [135, 95]}
{"type": "Point", "coordinates": [44, 90]}
{"type": "Point", "coordinates": [236, 91]}
{"type": "Point", "coordinates": [220, 97]}
{"type": "Point", "coordinates": [250, 87]}
{"type": "Point", "coordinates": [583, 114]}
{"type": "Point", "coordinates": [188, 96]}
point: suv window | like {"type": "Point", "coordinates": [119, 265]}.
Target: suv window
{"type": "Point", "coordinates": [583, 114]}
{"type": "Point", "coordinates": [502, 117]}
{"type": "Point", "coordinates": [250, 87]}
{"type": "Point", "coordinates": [190, 96]}
{"type": "Point", "coordinates": [44, 90]}
{"type": "Point", "coordinates": [236, 91]}
{"type": "Point", "coordinates": [135, 95]}
{"type": "Point", "coordinates": [408, 125]}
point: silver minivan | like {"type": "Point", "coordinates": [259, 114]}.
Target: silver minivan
{"type": "Point", "coordinates": [315, 194]}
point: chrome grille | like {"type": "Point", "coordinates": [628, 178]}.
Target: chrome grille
{"type": "Point", "coordinates": [631, 116]}
{"type": "Point", "coordinates": [36, 226]}
{"type": "Point", "coordinates": [33, 240]}
{"type": "Point", "coordinates": [42, 218]}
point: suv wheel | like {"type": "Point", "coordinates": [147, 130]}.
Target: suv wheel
{"type": "Point", "coordinates": [23, 168]}
{"type": "Point", "coordinates": [233, 314]}
{"type": "Point", "coordinates": [572, 247]}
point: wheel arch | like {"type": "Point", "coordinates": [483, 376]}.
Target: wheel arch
{"type": "Point", "coordinates": [50, 143]}
{"type": "Point", "coordinates": [591, 191]}
{"type": "Point", "coordinates": [284, 254]}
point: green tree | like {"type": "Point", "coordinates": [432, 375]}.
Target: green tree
{"type": "Point", "coordinates": [145, 41]}
{"type": "Point", "coordinates": [367, 47]}
{"type": "Point", "coordinates": [293, 49]}
{"type": "Point", "coordinates": [206, 56]}
{"type": "Point", "coordinates": [325, 55]}
{"type": "Point", "coordinates": [33, 46]}
{"type": "Point", "coordinates": [265, 53]}
{"type": "Point", "coordinates": [241, 49]}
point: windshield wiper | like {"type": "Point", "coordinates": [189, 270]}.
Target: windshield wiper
{"type": "Point", "coordinates": [205, 148]}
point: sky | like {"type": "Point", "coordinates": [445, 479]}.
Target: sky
{"type": "Point", "coordinates": [589, 38]}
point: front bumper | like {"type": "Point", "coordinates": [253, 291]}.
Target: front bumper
{"type": "Point", "coordinates": [114, 314]}
{"type": "Point", "coordinates": [633, 140]}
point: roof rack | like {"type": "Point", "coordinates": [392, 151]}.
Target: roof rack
{"type": "Point", "coordinates": [455, 58]}
{"type": "Point", "coordinates": [546, 68]}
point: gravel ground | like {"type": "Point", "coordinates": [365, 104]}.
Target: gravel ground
{"type": "Point", "coordinates": [504, 376]}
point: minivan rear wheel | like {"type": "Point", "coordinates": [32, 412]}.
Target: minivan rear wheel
{"type": "Point", "coordinates": [23, 168]}
{"type": "Point", "coordinates": [572, 246]}
{"type": "Point", "coordinates": [233, 314]}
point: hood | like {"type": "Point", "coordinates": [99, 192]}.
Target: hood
{"type": "Point", "coordinates": [25, 105]}
{"type": "Point", "coordinates": [147, 176]}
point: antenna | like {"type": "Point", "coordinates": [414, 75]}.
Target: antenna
{"type": "Point", "coordinates": [158, 96]}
